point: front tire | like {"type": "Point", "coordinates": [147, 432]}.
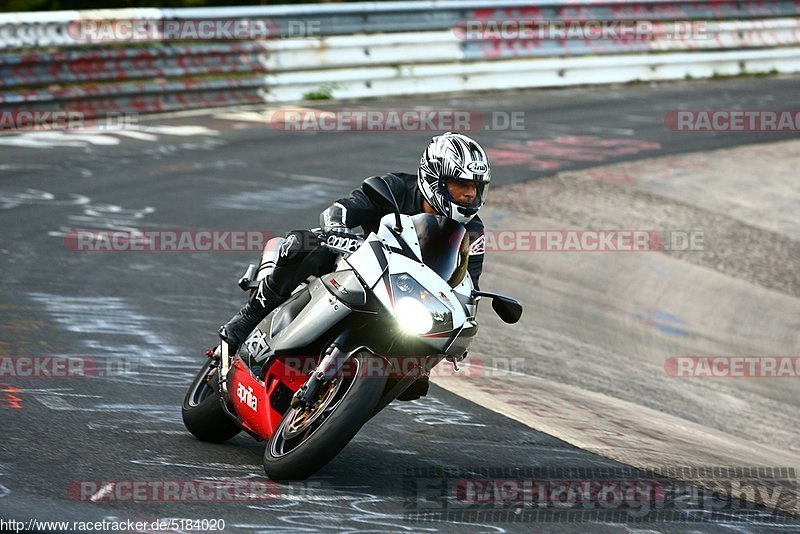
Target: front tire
{"type": "Point", "coordinates": [296, 452]}
{"type": "Point", "coordinates": [202, 414]}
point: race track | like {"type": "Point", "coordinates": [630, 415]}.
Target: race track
{"type": "Point", "coordinates": [579, 389]}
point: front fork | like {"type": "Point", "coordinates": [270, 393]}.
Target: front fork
{"type": "Point", "coordinates": [327, 368]}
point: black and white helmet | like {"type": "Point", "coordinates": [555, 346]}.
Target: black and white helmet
{"type": "Point", "coordinates": [453, 156]}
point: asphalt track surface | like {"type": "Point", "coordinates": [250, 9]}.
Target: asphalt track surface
{"type": "Point", "coordinates": [157, 312]}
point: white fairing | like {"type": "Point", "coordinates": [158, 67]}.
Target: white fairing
{"type": "Point", "coordinates": [375, 263]}
{"type": "Point", "coordinates": [409, 233]}
{"type": "Point", "coordinates": [371, 269]}
{"type": "Point", "coordinates": [431, 281]}
{"type": "Point", "coordinates": [365, 263]}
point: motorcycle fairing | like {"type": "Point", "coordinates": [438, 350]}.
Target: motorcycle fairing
{"type": "Point", "coordinates": [322, 312]}
{"type": "Point", "coordinates": [271, 396]}
{"type": "Point", "coordinates": [327, 301]}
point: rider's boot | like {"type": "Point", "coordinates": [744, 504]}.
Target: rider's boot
{"type": "Point", "coordinates": [262, 301]}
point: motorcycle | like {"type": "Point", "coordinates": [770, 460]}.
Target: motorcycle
{"type": "Point", "coordinates": [346, 344]}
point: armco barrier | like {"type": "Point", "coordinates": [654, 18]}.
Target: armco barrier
{"type": "Point", "coordinates": [419, 48]}
{"type": "Point", "coordinates": [124, 64]}
{"type": "Point", "coordinates": [53, 28]}
{"type": "Point", "coordinates": [139, 97]}
{"type": "Point", "coordinates": [48, 61]}
{"type": "Point", "coordinates": [498, 75]}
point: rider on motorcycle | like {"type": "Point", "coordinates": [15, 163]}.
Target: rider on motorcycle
{"type": "Point", "coordinates": [452, 181]}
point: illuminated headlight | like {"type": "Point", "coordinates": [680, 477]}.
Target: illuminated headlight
{"type": "Point", "coordinates": [413, 316]}
{"type": "Point", "coordinates": [417, 310]}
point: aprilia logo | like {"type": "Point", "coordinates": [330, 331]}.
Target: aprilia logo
{"type": "Point", "coordinates": [247, 397]}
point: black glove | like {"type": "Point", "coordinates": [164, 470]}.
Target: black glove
{"type": "Point", "coordinates": [338, 230]}
{"type": "Point", "coordinates": [340, 236]}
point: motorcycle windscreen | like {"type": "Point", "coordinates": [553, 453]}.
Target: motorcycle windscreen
{"type": "Point", "coordinates": [440, 242]}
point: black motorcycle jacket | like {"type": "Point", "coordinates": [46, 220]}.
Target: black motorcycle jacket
{"type": "Point", "coordinates": [358, 210]}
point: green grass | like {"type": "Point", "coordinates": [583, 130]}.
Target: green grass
{"type": "Point", "coordinates": [325, 92]}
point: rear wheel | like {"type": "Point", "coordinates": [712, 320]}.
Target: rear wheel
{"type": "Point", "coordinates": [202, 414]}
{"type": "Point", "coordinates": [308, 438]}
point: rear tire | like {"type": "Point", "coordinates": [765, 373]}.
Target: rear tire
{"type": "Point", "coordinates": [346, 413]}
{"type": "Point", "coordinates": [202, 414]}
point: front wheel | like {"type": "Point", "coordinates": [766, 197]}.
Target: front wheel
{"type": "Point", "coordinates": [307, 439]}
{"type": "Point", "coordinates": [202, 414]}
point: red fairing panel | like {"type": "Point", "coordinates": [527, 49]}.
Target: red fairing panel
{"type": "Point", "coordinates": [250, 396]}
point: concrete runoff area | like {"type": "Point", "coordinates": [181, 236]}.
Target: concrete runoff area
{"type": "Point", "coordinates": [593, 370]}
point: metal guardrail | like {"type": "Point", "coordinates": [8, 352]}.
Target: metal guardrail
{"type": "Point", "coordinates": [714, 36]}
{"type": "Point", "coordinates": [47, 61]}
{"type": "Point", "coordinates": [169, 61]}
{"type": "Point", "coordinates": [138, 97]}
{"type": "Point", "coordinates": [54, 28]}
{"type": "Point", "coordinates": [366, 82]}
{"type": "Point", "coordinates": [421, 48]}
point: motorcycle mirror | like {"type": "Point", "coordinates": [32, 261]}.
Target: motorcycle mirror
{"type": "Point", "coordinates": [379, 192]}
{"type": "Point", "coordinates": [508, 309]}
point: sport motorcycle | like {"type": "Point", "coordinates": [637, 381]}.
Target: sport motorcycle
{"type": "Point", "coordinates": [346, 344]}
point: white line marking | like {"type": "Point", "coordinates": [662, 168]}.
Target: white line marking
{"type": "Point", "coordinates": [105, 490]}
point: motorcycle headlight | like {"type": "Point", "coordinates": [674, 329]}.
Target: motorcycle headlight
{"type": "Point", "coordinates": [417, 310]}
{"type": "Point", "coordinates": [413, 316]}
